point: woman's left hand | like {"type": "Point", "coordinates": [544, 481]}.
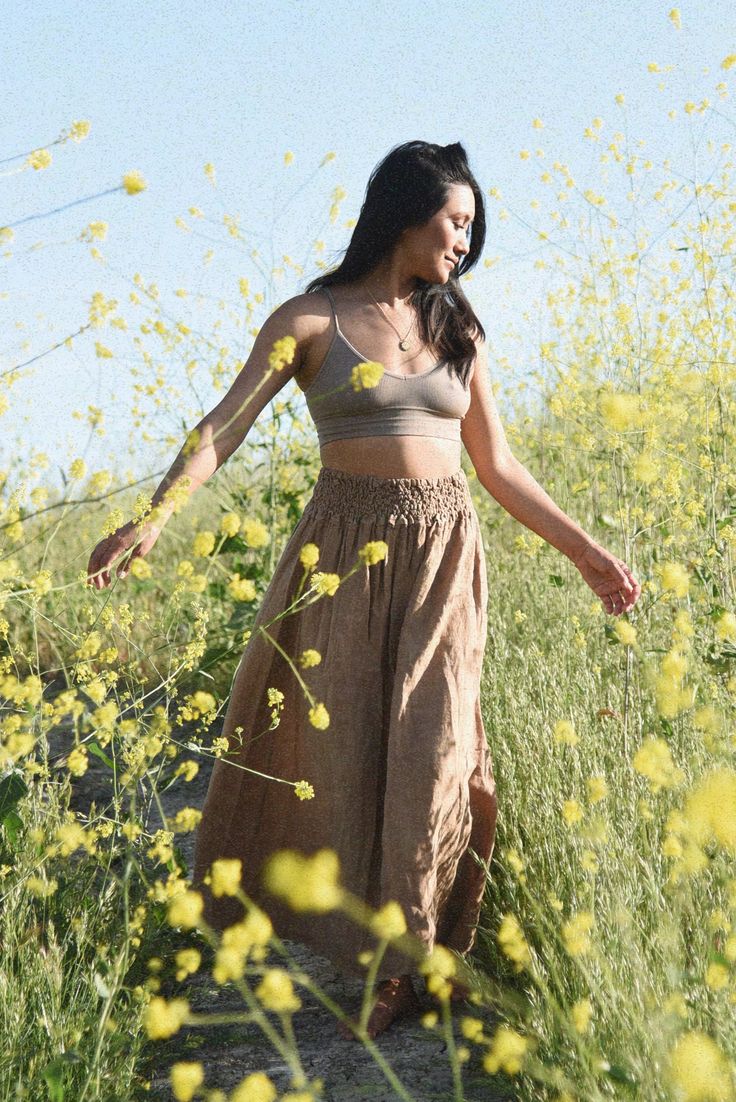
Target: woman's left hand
{"type": "Point", "coordinates": [609, 578]}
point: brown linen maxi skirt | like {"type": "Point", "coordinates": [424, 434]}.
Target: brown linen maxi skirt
{"type": "Point", "coordinates": [403, 780]}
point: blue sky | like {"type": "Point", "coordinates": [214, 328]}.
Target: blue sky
{"type": "Point", "coordinates": [170, 86]}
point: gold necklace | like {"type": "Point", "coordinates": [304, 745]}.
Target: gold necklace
{"type": "Point", "coordinates": [403, 343]}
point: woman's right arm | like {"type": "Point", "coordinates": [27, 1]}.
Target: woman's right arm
{"type": "Point", "coordinates": [213, 440]}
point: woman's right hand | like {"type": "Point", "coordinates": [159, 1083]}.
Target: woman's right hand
{"type": "Point", "coordinates": [130, 538]}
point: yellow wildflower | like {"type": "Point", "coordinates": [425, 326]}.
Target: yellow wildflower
{"type": "Point", "coordinates": [597, 788]}
{"type": "Point", "coordinates": [141, 569]}
{"type": "Point", "coordinates": [230, 524]}
{"type": "Point", "coordinates": [367, 374]}
{"type": "Point", "coordinates": [653, 760]}
{"type": "Point", "coordinates": [186, 1077]}
{"type": "Point", "coordinates": [241, 589]}
{"type": "Point", "coordinates": [581, 1013]}
{"type": "Point", "coordinates": [133, 182]}
{"type": "Point", "coordinates": [226, 873]}
{"type": "Point", "coordinates": [506, 1051]}
{"type": "Point", "coordinates": [306, 883]}
{"type": "Point", "coordinates": [572, 812]}
{"type": "Point", "coordinates": [389, 922]}
{"type": "Point", "coordinates": [675, 577]}
{"type": "Point", "coordinates": [276, 991]}
{"type": "Point", "coordinates": [575, 933]}
{"type": "Point", "coordinates": [717, 976]}
{"type": "Point", "coordinates": [565, 732]}
{"type": "Point", "coordinates": [620, 411]}
{"type": "Point", "coordinates": [185, 909]}
{"type": "Point", "coordinates": [309, 554]}
{"type": "Point", "coordinates": [726, 627]}
{"type": "Point", "coordinates": [325, 583]}
{"type": "Point", "coordinates": [256, 1087]}
{"type": "Point", "coordinates": [255, 533]}
{"type": "Point", "coordinates": [187, 961]}
{"type": "Point", "coordinates": [319, 717]}
{"type": "Point", "coordinates": [203, 544]}
{"type": "Point", "coordinates": [699, 1070]}
{"type": "Point", "coordinates": [373, 551]}
{"type": "Point", "coordinates": [710, 808]}
{"type": "Point", "coordinates": [512, 941]}
{"type": "Point", "coordinates": [164, 1019]}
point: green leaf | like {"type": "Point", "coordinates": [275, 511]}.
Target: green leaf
{"type": "Point", "coordinates": [12, 789]}
{"type": "Point", "coordinates": [98, 752]}
{"type": "Point", "coordinates": [12, 823]}
{"type": "Point", "coordinates": [556, 580]}
{"type": "Point", "coordinates": [621, 1075]}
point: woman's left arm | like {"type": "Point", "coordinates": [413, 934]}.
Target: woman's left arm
{"type": "Point", "coordinates": [510, 483]}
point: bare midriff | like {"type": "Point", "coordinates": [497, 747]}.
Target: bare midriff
{"type": "Point", "coordinates": [383, 456]}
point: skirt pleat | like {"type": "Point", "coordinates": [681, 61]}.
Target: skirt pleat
{"type": "Point", "coordinates": [403, 780]}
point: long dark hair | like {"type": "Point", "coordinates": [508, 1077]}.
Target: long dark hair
{"type": "Point", "coordinates": [406, 189]}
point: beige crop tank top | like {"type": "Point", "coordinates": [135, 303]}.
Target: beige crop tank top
{"type": "Point", "coordinates": [432, 403]}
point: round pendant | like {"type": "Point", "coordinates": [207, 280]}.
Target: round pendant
{"type": "Point", "coordinates": [403, 346]}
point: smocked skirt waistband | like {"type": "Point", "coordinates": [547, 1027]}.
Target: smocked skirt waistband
{"type": "Point", "coordinates": [354, 496]}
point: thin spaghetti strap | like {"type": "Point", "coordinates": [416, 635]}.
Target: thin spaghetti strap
{"type": "Point", "coordinates": [328, 292]}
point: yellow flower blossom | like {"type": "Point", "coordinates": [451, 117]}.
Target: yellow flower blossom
{"type": "Point", "coordinates": [575, 933]}
{"type": "Point", "coordinates": [133, 182]}
{"type": "Point", "coordinates": [565, 732]}
{"type": "Point", "coordinates": [226, 876]}
{"type": "Point", "coordinates": [674, 577]}
{"type": "Point", "coordinates": [230, 524]}
{"type": "Point", "coordinates": [40, 158]}
{"type": "Point", "coordinates": [309, 554]}
{"type": "Point", "coordinates": [625, 632]}
{"type": "Point", "coordinates": [303, 790]}
{"type": "Point", "coordinates": [366, 375]}
{"type": "Point", "coordinates": [164, 1019]}
{"type": "Point", "coordinates": [620, 411]}
{"type": "Point", "coordinates": [698, 1070]}
{"type": "Point", "coordinates": [186, 1078]}
{"type": "Point", "coordinates": [187, 962]}
{"type": "Point", "coordinates": [725, 627]}
{"type": "Point", "coordinates": [309, 657]}
{"type": "Point", "coordinates": [306, 883]}
{"type": "Point", "coordinates": [141, 569]}
{"type": "Point", "coordinates": [373, 551]}
{"type": "Point", "coordinates": [581, 1013]}
{"type": "Point", "coordinates": [654, 761]}
{"type": "Point", "coordinates": [203, 544]}
{"type": "Point", "coordinates": [255, 533]}
{"type": "Point", "coordinates": [717, 976]}
{"type": "Point", "coordinates": [229, 964]}
{"type": "Point", "coordinates": [506, 1051]}
{"type": "Point", "coordinates": [319, 717]}
{"type": "Point", "coordinates": [241, 589]}
{"type": "Point", "coordinates": [256, 1087]}
{"type": "Point", "coordinates": [572, 812]}
{"type": "Point", "coordinates": [282, 353]}
{"type": "Point", "coordinates": [597, 788]}
{"type": "Point", "coordinates": [185, 909]}
{"type": "Point", "coordinates": [512, 941]}
{"type": "Point", "coordinates": [710, 809]}
{"type": "Point", "coordinates": [325, 583]}
{"type": "Point", "coordinates": [276, 991]}
{"type": "Point", "coordinates": [389, 922]}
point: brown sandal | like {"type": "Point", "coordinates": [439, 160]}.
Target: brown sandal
{"type": "Point", "coordinates": [394, 998]}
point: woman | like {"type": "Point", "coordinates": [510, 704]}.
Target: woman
{"type": "Point", "coordinates": [405, 792]}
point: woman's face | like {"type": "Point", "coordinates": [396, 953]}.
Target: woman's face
{"type": "Point", "coordinates": [444, 238]}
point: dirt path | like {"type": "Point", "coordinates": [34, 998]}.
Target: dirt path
{"type": "Point", "coordinates": [228, 1053]}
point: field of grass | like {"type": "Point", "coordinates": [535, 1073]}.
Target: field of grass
{"type": "Point", "coordinates": [607, 946]}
